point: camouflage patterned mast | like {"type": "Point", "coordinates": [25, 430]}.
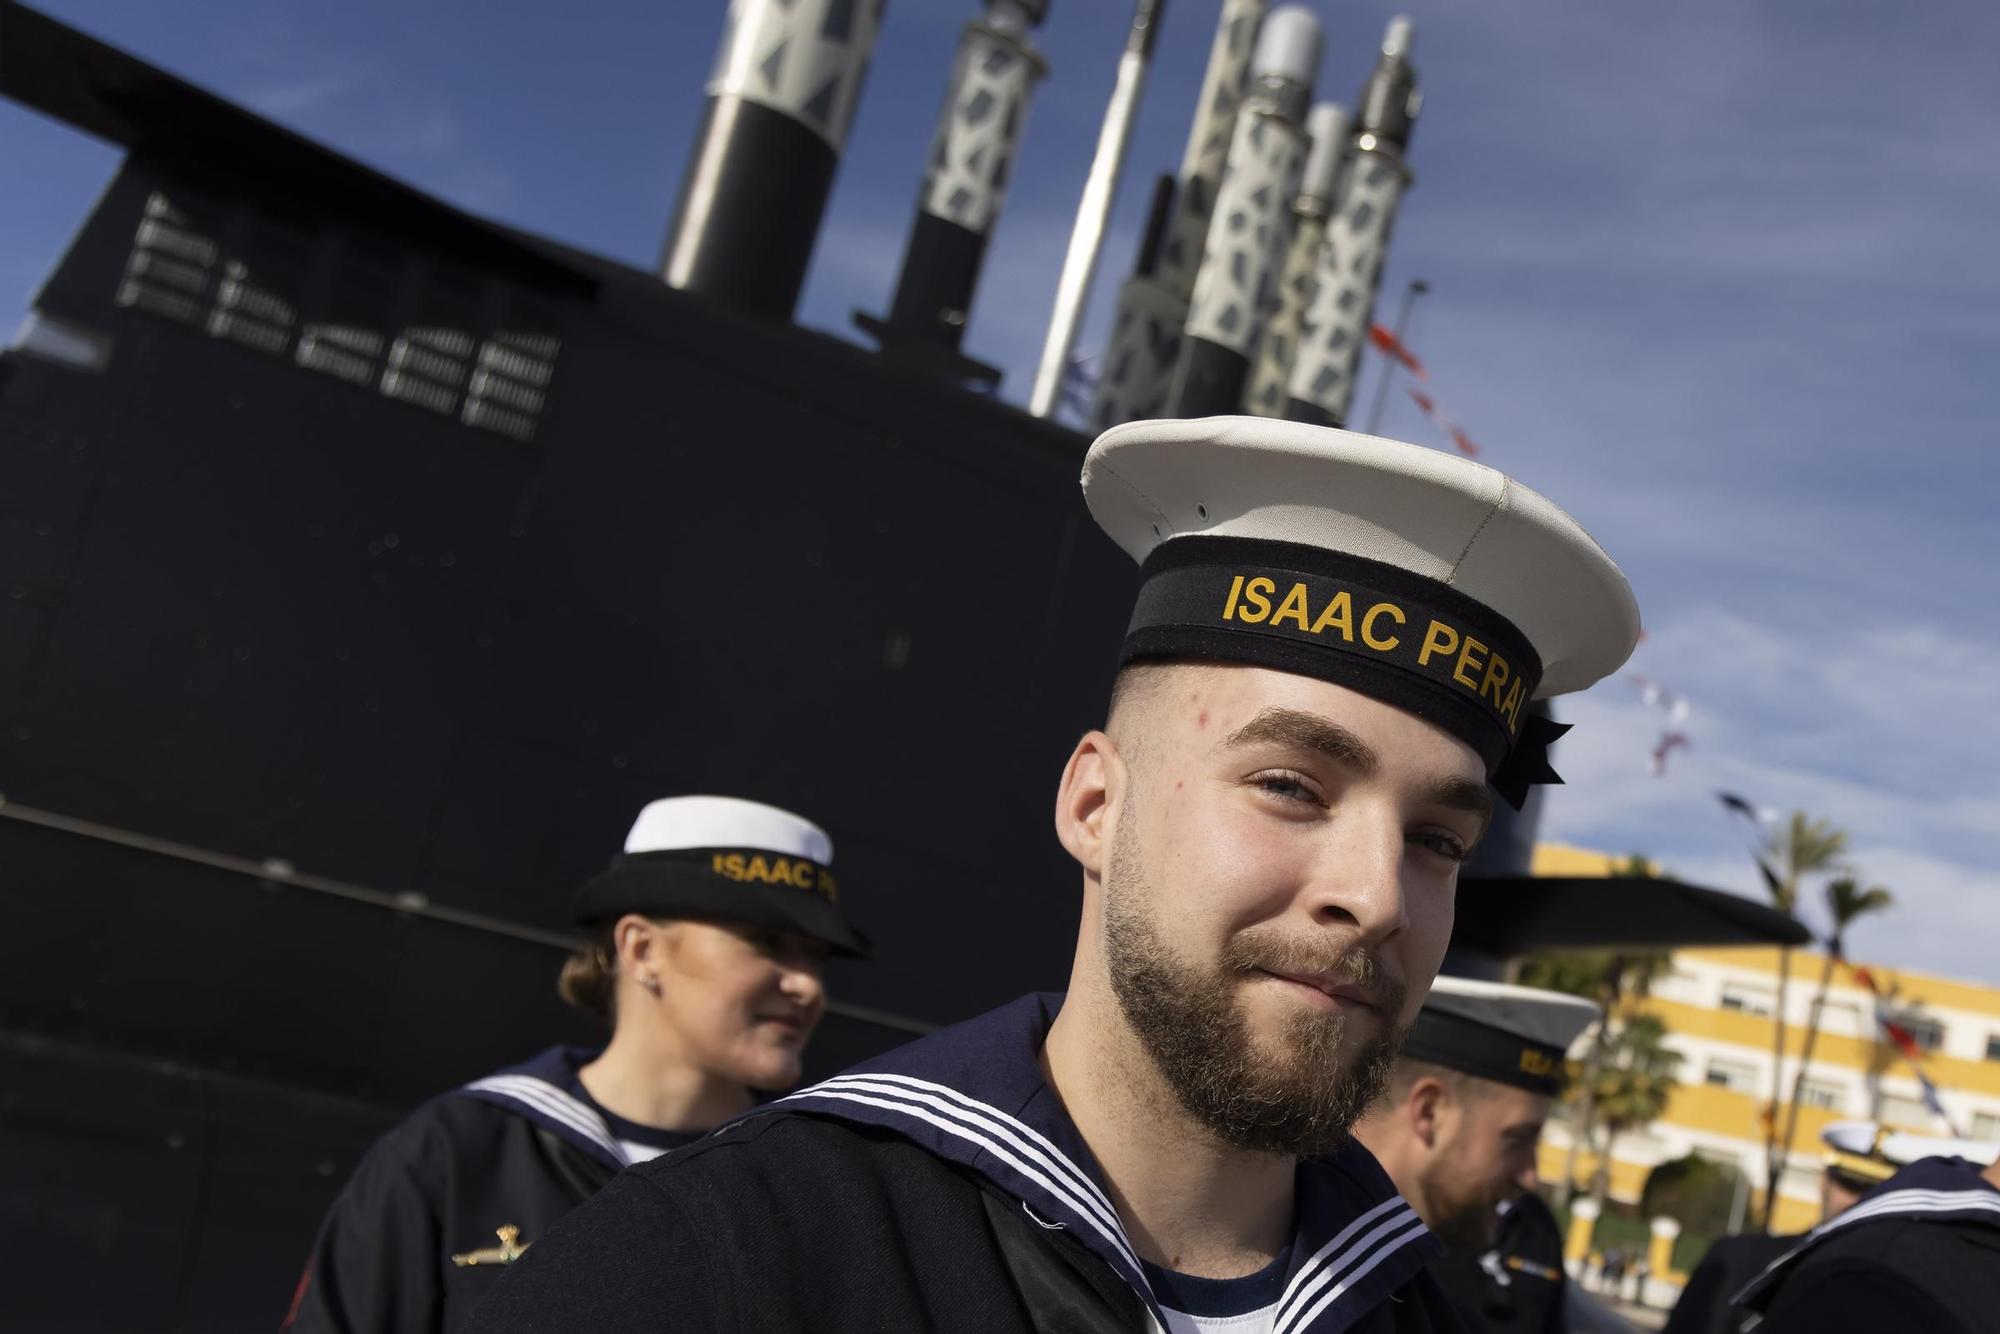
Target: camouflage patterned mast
{"type": "Point", "coordinates": [965, 183]}
{"type": "Point", "coordinates": [780, 102]}
{"type": "Point", "coordinates": [1343, 300]}
{"type": "Point", "coordinates": [1251, 227]}
{"type": "Point", "coordinates": [1270, 378]}
{"type": "Point", "coordinates": [1138, 364]}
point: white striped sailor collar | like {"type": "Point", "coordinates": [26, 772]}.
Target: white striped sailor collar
{"type": "Point", "coordinates": [538, 1090]}
{"type": "Point", "coordinates": [973, 1094]}
{"type": "Point", "coordinates": [1942, 1190]}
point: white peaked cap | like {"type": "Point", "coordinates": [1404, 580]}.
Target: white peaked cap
{"type": "Point", "coordinates": [672, 824]}
{"type": "Point", "coordinates": [1867, 1139]}
{"type": "Point", "coordinates": [1434, 515]}
{"type": "Point", "coordinates": [1550, 1018]}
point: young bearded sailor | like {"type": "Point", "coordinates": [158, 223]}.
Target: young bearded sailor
{"type": "Point", "coordinates": [1919, 1252]}
{"type": "Point", "coordinates": [1458, 1132]}
{"type": "Point", "coordinates": [1330, 658]}
{"type": "Point", "coordinates": [710, 933]}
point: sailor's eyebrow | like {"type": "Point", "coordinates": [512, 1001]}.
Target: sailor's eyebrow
{"type": "Point", "coordinates": [1303, 730]}
{"type": "Point", "coordinates": [1462, 794]}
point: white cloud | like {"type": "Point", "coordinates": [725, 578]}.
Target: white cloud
{"type": "Point", "coordinates": [1880, 727]}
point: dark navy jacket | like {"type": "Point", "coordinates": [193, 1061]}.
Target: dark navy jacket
{"type": "Point", "coordinates": [939, 1187]}
{"type": "Point", "coordinates": [1517, 1286]}
{"type": "Point", "coordinates": [1919, 1252]}
{"type": "Point", "coordinates": [514, 1150]}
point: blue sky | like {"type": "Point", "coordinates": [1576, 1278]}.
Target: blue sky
{"type": "Point", "coordinates": [1721, 277]}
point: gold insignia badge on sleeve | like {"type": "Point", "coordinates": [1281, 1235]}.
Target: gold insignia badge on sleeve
{"type": "Point", "coordinates": [510, 1249]}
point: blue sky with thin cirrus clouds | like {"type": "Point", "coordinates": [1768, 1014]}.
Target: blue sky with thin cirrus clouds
{"type": "Point", "coordinates": [1721, 278]}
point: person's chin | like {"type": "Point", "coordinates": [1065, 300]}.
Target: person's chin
{"type": "Point", "coordinates": [774, 1072]}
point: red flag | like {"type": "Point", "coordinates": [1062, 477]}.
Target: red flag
{"type": "Point", "coordinates": [1442, 420]}
{"type": "Point", "coordinates": [1393, 347]}
{"type": "Point", "coordinates": [1905, 1041]}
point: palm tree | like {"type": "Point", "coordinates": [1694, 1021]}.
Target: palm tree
{"type": "Point", "coordinates": [1804, 847]}
{"type": "Point", "coordinates": [1612, 980]}
{"type": "Point", "coordinates": [1631, 1090]}
{"type": "Point", "coordinates": [1845, 901]}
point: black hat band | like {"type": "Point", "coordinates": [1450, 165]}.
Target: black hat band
{"type": "Point", "coordinates": [751, 885]}
{"type": "Point", "coordinates": [1485, 1052]}
{"type": "Point", "coordinates": [1396, 636]}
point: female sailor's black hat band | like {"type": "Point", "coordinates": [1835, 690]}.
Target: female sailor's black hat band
{"type": "Point", "coordinates": [749, 885]}
{"type": "Point", "coordinates": [1396, 636]}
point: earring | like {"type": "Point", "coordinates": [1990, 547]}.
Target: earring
{"type": "Point", "coordinates": [650, 983]}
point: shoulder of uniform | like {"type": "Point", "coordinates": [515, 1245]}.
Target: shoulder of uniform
{"type": "Point", "coordinates": [1877, 1244]}
{"type": "Point", "coordinates": [456, 1117]}
{"type": "Point", "coordinates": [777, 1141]}
{"type": "Point", "coordinates": [434, 1134]}
{"type": "Point", "coordinates": [843, 1164]}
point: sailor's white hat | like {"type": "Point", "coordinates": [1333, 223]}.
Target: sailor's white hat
{"type": "Point", "coordinates": [1428, 580]}
{"type": "Point", "coordinates": [1873, 1152]}
{"type": "Point", "coordinates": [728, 859]}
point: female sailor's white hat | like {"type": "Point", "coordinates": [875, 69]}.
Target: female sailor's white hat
{"type": "Point", "coordinates": [727, 859]}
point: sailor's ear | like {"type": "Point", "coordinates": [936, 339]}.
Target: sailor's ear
{"type": "Point", "coordinates": [639, 941]}
{"type": "Point", "coordinates": [1426, 1105]}
{"type": "Point", "coordinates": [1084, 800]}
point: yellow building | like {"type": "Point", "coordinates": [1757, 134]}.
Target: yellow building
{"type": "Point", "coordinates": [1718, 1006]}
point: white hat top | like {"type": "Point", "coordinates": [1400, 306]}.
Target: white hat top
{"type": "Point", "coordinates": [1869, 1139]}
{"type": "Point", "coordinates": [1550, 1018]}
{"type": "Point", "coordinates": [1435, 515]}
{"type": "Point", "coordinates": [672, 824]}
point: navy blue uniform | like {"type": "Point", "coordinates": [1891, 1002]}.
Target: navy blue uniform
{"type": "Point", "coordinates": [1705, 1304]}
{"type": "Point", "coordinates": [1517, 1286]}
{"type": "Point", "coordinates": [1920, 1252]}
{"type": "Point", "coordinates": [939, 1187]}
{"type": "Point", "coordinates": [515, 1151]}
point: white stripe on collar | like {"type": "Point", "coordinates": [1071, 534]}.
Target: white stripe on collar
{"type": "Point", "coordinates": [1914, 1201]}
{"type": "Point", "coordinates": [1907, 1203]}
{"type": "Point", "coordinates": [858, 1089]}
{"type": "Point", "coordinates": [1038, 1144]}
{"type": "Point", "coordinates": [1391, 1216]}
{"type": "Point", "coordinates": [1324, 1279]}
{"type": "Point", "coordinates": [555, 1103]}
{"type": "Point", "coordinates": [1412, 1229]}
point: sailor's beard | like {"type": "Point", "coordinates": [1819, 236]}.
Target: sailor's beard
{"type": "Point", "coordinates": [1300, 1100]}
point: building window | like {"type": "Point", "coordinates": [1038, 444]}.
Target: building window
{"type": "Point", "coordinates": [1745, 1000]}
{"type": "Point", "coordinates": [1986, 1126]}
{"type": "Point", "coordinates": [1929, 1033]}
{"type": "Point", "coordinates": [1740, 1076]}
{"type": "Point", "coordinates": [1823, 1094]}
{"type": "Point", "coordinates": [1909, 1113]}
{"type": "Point", "coordinates": [1993, 1047]}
